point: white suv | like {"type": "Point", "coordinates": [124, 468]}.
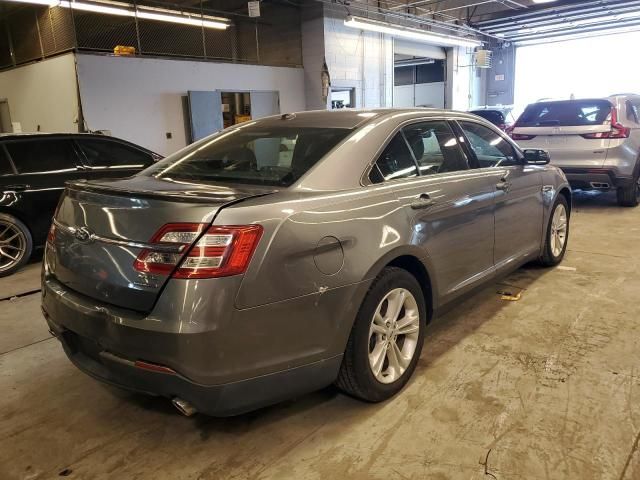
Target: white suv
{"type": "Point", "coordinates": [595, 141]}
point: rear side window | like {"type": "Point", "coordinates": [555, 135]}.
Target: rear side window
{"type": "Point", "coordinates": [395, 162]}
{"type": "Point", "coordinates": [490, 148]}
{"type": "Point", "coordinates": [261, 155]}
{"type": "Point", "coordinates": [5, 165]}
{"type": "Point", "coordinates": [494, 116]}
{"type": "Point", "coordinates": [110, 154]}
{"type": "Point", "coordinates": [435, 147]}
{"type": "Point", "coordinates": [565, 113]}
{"type": "Point", "coordinates": [43, 156]}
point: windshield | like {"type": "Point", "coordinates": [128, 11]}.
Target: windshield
{"type": "Point", "coordinates": [494, 116]}
{"type": "Point", "coordinates": [274, 156]}
{"type": "Point", "coordinates": [565, 113]}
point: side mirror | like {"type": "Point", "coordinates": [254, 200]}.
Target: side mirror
{"type": "Point", "coordinates": [535, 156]}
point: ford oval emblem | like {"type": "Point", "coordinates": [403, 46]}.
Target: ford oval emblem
{"type": "Point", "coordinates": [83, 235]}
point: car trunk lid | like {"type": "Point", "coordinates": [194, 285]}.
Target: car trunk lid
{"type": "Point", "coordinates": [102, 228]}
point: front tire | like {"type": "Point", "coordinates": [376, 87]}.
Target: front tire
{"type": "Point", "coordinates": [16, 244]}
{"type": "Point", "coordinates": [386, 339]}
{"type": "Point", "coordinates": [557, 236]}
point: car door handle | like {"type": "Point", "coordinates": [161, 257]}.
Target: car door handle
{"type": "Point", "coordinates": [504, 186]}
{"type": "Point", "coordinates": [16, 188]}
{"type": "Point", "coordinates": [423, 201]}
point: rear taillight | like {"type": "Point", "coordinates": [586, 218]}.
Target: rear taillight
{"type": "Point", "coordinates": [617, 129]}
{"type": "Point", "coordinates": [520, 136]}
{"type": "Point", "coordinates": [220, 252]}
{"type": "Point", "coordinates": [51, 236]}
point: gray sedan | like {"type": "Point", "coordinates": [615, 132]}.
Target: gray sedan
{"type": "Point", "coordinates": [286, 254]}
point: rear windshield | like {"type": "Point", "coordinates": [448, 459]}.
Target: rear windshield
{"type": "Point", "coordinates": [565, 113]}
{"type": "Point", "coordinates": [494, 116]}
{"type": "Point", "coordinates": [256, 155]}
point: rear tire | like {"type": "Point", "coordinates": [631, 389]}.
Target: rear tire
{"type": "Point", "coordinates": [386, 340]}
{"type": "Point", "coordinates": [629, 196]}
{"type": "Point", "coordinates": [16, 244]}
{"type": "Point", "coordinates": [557, 236]}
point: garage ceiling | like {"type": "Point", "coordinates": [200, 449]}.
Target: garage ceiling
{"type": "Point", "coordinates": [563, 22]}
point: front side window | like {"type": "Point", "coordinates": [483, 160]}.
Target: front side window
{"type": "Point", "coordinates": [435, 147]}
{"type": "Point", "coordinates": [632, 112]}
{"type": "Point", "coordinates": [109, 154]}
{"type": "Point", "coordinates": [260, 155]}
{"type": "Point", "coordinates": [395, 162]}
{"type": "Point", "coordinates": [43, 156]}
{"type": "Point", "coordinates": [491, 149]}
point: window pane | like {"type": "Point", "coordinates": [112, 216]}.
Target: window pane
{"type": "Point", "coordinates": [5, 166]}
{"type": "Point", "coordinates": [403, 76]}
{"type": "Point", "coordinates": [395, 162]}
{"type": "Point", "coordinates": [430, 72]}
{"type": "Point", "coordinates": [107, 153]}
{"type": "Point", "coordinates": [436, 147]}
{"type": "Point", "coordinates": [565, 113]}
{"type": "Point", "coordinates": [276, 156]}
{"type": "Point", "coordinates": [490, 148]}
{"type": "Point", "coordinates": [42, 156]}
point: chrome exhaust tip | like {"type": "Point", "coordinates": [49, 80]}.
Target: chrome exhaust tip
{"type": "Point", "coordinates": [184, 407]}
{"type": "Point", "coordinates": [599, 185]}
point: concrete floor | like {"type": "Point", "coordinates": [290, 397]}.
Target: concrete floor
{"type": "Point", "coordinates": [544, 387]}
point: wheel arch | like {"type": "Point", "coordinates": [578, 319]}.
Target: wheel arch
{"type": "Point", "coordinates": [414, 260]}
{"type": "Point", "coordinates": [566, 193]}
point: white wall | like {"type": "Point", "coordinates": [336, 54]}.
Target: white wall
{"type": "Point", "coordinates": [43, 94]}
{"type": "Point", "coordinates": [360, 59]}
{"type": "Point", "coordinates": [140, 99]}
{"type": "Point", "coordinates": [419, 95]}
{"type": "Point", "coordinates": [460, 71]}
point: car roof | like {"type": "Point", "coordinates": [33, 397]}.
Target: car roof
{"type": "Point", "coordinates": [349, 118]}
{"type": "Point", "coordinates": [28, 135]}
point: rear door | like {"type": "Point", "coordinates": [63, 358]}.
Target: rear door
{"type": "Point", "coordinates": [450, 207]}
{"type": "Point", "coordinates": [568, 130]}
{"type": "Point", "coordinates": [109, 158]}
{"type": "Point", "coordinates": [43, 166]}
{"type": "Point", "coordinates": [518, 193]}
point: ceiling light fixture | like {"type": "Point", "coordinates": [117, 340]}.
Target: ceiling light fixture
{"type": "Point", "coordinates": [48, 3]}
{"type": "Point", "coordinates": [410, 33]}
{"type": "Point", "coordinates": [128, 10]}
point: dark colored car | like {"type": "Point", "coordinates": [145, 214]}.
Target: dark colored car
{"type": "Point", "coordinates": [237, 273]}
{"type": "Point", "coordinates": [33, 172]}
{"type": "Point", "coordinates": [501, 117]}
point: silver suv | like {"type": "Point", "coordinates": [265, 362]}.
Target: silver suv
{"type": "Point", "coordinates": [596, 141]}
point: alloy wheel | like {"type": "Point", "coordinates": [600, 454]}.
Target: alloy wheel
{"type": "Point", "coordinates": [558, 234]}
{"type": "Point", "coordinates": [393, 335]}
{"type": "Point", "coordinates": [13, 245]}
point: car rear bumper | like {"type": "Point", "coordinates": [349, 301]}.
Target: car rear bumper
{"type": "Point", "coordinates": [106, 347]}
{"type": "Point", "coordinates": [217, 400]}
{"type": "Point", "coordinates": [595, 178]}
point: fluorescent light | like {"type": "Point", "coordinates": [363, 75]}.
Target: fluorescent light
{"type": "Point", "coordinates": [543, 1]}
{"type": "Point", "coordinates": [410, 33]}
{"type": "Point", "coordinates": [182, 19]}
{"type": "Point", "coordinates": [92, 7]}
{"type": "Point", "coordinates": [48, 3]}
{"type": "Point", "coordinates": [126, 10]}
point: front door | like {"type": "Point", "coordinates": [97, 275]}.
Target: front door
{"type": "Point", "coordinates": [518, 200]}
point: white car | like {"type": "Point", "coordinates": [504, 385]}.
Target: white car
{"type": "Point", "coordinates": [596, 141]}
